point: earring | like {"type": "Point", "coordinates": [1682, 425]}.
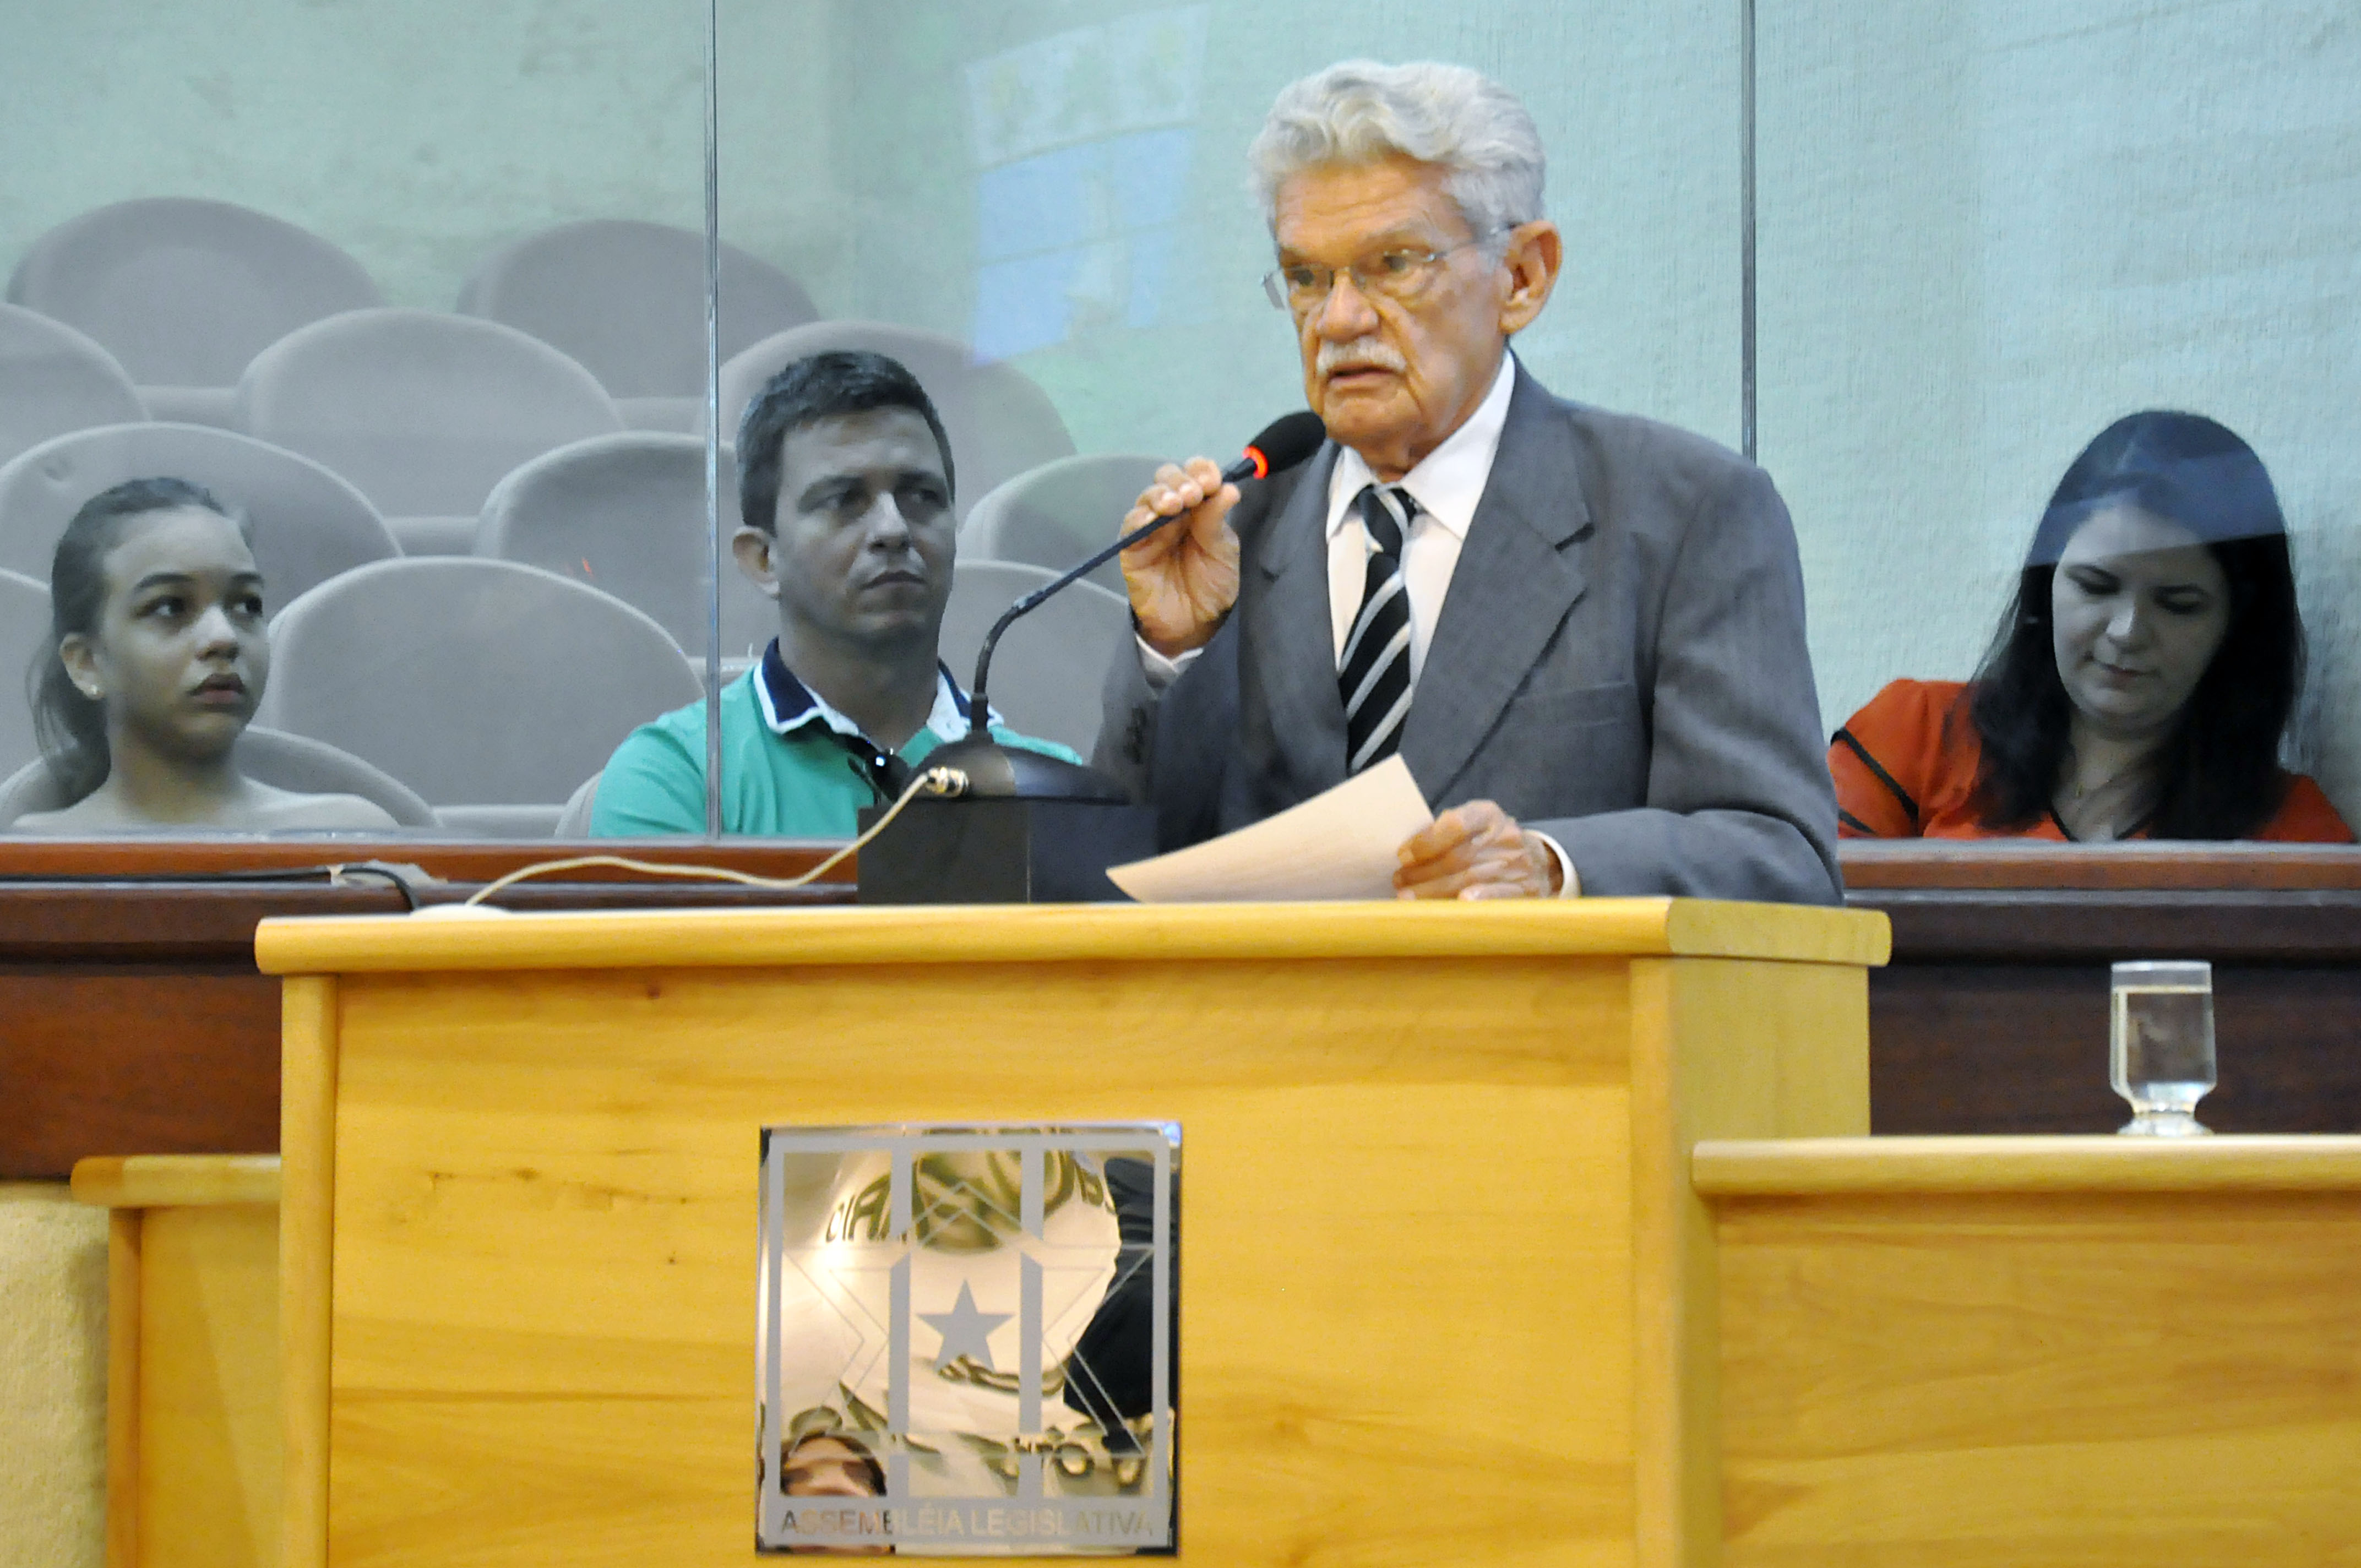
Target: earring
{"type": "Point", "coordinates": [90, 691]}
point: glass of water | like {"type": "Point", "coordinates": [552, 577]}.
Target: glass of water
{"type": "Point", "coordinates": [2160, 1045]}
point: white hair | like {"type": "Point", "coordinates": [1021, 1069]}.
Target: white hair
{"type": "Point", "coordinates": [1360, 111]}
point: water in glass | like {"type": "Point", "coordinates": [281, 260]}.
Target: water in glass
{"type": "Point", "coordinates": [2162, 1044]}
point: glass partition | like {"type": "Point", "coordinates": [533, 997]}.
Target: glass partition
{"type": "Point", "coordinates": [420, 293]}
{"type": "Point", "coordinates": [1064, 188]}
{"type": "Point", "coordinates": [1986, 234]}
{"type": "Point", "coordinates": [1043, 208]}
{"type": "Point", "coordinates": [417, 293]}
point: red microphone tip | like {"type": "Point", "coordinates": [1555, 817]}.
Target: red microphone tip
{"type": "Point", "coordinates": [1261, 463]}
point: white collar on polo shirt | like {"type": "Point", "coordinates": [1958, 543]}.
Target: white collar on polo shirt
{"type": "Point", "coordinates": [787, 704]}
{"type": "Point", "coordinates": [1449, 482]}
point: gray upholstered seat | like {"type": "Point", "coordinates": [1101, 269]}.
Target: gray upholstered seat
{"type": "Point", "coordinates": [53, 379]}
{"type": "Point", "coordinates": [626, 514]}
{"type": "Point", "coordinates": [999, 423]}
{"type": "Point", "coordinates": [288, 761]}
{"type": "Point", "coordinates": [185, 292]}
{"type": "Point", "coordinates": [24, 636]}
{"type": "Point", "coordinates": [1048, 670]}
{"type": "Point", "coordinates": [1057, 514]}
{"type": "Point", "coordinates": [627, 300]}
{"type": "Point", "coordinates": [424, 412]}
{"type": "Point", "coordinates": [479, 683]}
{"type": "Point", "coordinates": [574, 820]}
{"type": "Point", "coordinates": [308, 523]}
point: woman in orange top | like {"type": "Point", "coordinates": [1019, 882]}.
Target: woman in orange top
{"type": "Point", "coordinates": [2140, 683]}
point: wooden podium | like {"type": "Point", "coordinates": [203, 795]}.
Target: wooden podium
{"type": "Point", "coordinates": [1447, 1292]}
{"type": "Point", "coordinates": [193, 1457]}
{"type": "Point", "coordinates": [2046, 1353]}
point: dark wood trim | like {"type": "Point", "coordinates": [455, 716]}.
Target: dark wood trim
{"type": "Point", "coordinates": [1993, 1015]}
{"type": "Point", "coordinates": [111, 1057]}
{"type": "Point", "coordinates": [2021, 864]}
{"type": "Point", "coordinates": [214, 922]}
{"type": "Point", "coordinates": [2071, 926]}
{"type": "Point", "coordinates": [133, 1020]}
{"type": "Point", "coordinates": [2022, 1048]}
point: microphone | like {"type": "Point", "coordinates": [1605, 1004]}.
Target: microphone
{"type": "Point", "coordinates": [977, 765]}
{"type": "Point", "coordinates": [1284, 442]}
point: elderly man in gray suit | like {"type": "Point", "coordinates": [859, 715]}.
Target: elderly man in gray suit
{"type": "Point", "coordinates": [1582, 631]}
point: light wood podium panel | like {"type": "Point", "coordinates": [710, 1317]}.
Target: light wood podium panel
{"type": "Point", "coordinates": [1438, 1254]}
{"type": "Point", "coordinates": [193, 1465]}
{"type": "Point", "coordinates": [2041, 1352]}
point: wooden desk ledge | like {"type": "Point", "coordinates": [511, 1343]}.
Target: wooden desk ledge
{"type": "Point", "coordinates": [1808, 1167]}
{"type": "Point", "coordinates": [2143, 863]}
{"type": "Point", "coordinates": [698, 938]}
{"type": "Point", "coordinates": [175, 1180]}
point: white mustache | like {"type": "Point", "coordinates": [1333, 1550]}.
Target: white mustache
{"type": "Point", "coordinates": [1361, 354]}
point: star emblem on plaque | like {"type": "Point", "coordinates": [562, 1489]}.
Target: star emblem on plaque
{"type": "Point", "coordinates": [966, 1340]}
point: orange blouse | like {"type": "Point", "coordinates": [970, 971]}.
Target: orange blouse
{"type": "Point", "coordinates": [1905, 768]}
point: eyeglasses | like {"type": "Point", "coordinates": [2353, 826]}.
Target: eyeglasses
{"type": "Point", "coordinates": [1396, 275]}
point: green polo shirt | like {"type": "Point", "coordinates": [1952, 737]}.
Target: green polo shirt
{"type": "Point", "coordinates": [787, 771]}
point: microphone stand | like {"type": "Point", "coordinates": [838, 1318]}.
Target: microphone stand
{"type": "Point", "coordinates": [1008, 825]}
{"type": "Point", "coordinates": [1032, 600]}
{"type": "Point", "coordinates": [984, 768]}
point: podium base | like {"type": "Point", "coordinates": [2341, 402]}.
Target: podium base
{"type": "Point", "coordinates": [1003, 851]}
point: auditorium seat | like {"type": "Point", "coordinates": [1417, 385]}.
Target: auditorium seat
{"type": "Point", "coordinates": [24, 634]}
{"type": "Point", "coordinates": [999, 423]}
{"type": "Point", "coordinates": [1055, 515]}
{"type": "Point", "coordinates": [268, 756]}
{"type": "Point", "coordinates": [574, 821]}
{"type": "Point", "coordinates": [54, 379]}
{"type": "Point", "coordinates": [1047, 673]}
{"type": "Point", "coordinates": [424, 412]}
{"type": "Point", "coordinates": [627, 300]}
{"type": "Point", "coordinates": [486, 686]}
{"type": "Point", "coordinates": [308, 524]}
{"type": "Point", "coordinates": [185, 292]}
{"type": "Point", "coordinates": [626, 514]}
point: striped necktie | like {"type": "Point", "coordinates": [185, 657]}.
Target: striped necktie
{"type": "Point", "coordinates": [1374, 673]}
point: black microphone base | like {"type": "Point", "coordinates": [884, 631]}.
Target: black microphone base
{"type": "Point", "coordinates": [994, 771]}
{"type": "Point", "coordinates": [1003, 851]}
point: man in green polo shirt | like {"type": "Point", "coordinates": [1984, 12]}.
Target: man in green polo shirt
{"type": "Point", "coordinates": [844, 491]}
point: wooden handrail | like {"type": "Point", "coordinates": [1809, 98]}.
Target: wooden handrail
{"type": "Point", "coordinates": [1997, 863]}
{"type": "Point", "coordinates": [175, 1181]}
{"type": "Point", "coordinates": [1881, 1167]}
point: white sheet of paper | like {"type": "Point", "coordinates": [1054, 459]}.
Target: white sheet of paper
{"type": "Point", "coordinates": [1339, 844]}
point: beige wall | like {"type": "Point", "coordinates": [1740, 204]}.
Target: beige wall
{"type": "Point", "coordinates": [53, 1378]}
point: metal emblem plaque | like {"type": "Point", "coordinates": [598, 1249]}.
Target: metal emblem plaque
{"type": "Point", "coordinates": [965, 1340]}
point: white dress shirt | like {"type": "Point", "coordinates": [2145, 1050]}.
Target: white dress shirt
{"type": "Point", "coordinates": [1447, 483]}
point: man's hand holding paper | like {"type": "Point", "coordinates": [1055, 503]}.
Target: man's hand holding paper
{"type": "Point", "coordinates": [1339, 844]}
{"type": "Point", "coordinates": [1477, 850]}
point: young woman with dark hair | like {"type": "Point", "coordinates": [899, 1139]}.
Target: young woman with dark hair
{"type": "Point", "coordinates": [155, 660]}
{"type": "Point", "coordinates": [2140, 681]}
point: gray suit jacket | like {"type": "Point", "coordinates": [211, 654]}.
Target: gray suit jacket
{"type": "Point", "coordinates": [1619, 663]}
